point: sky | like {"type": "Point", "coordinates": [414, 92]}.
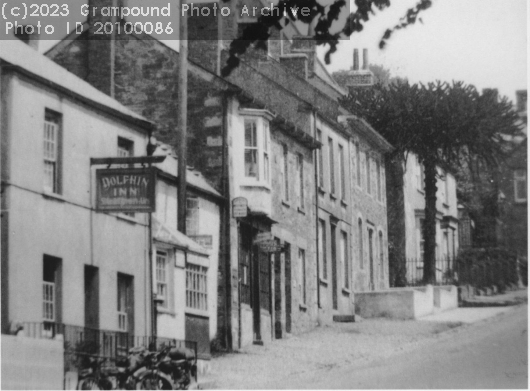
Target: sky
{"type": "Point", "coordinates": [480, 42]}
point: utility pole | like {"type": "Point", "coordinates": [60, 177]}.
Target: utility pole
{"type": "Point", "coordinates": [182, 118]}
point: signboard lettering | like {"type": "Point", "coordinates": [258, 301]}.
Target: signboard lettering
{"type": "Point", "coordinates": [125, 190]}
{"type": "Point", "coordinates": [239, 207]}
{"type": "Point", "coordinates": [263, 237]}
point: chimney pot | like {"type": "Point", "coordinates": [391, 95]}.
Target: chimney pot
{"type": "Point", "coordinates": [365, 58]}
{"type": "Point", "coordinates": [355, 59]}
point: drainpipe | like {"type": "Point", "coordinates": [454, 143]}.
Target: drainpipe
{"type": "Point", "coordinates": [225, 231]}
{"type": "Point", "coordinates": [182, 120]}
{"type": "Point", "coordinates": [318, 168]}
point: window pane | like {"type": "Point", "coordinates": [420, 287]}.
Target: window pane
{"type": "Point", "coordinates": [251, 163]}
{"type": "Point", "coordinates": [331, 166]}
{"type": "Point", "coordinates": [250, 134]}
{"type": "Point", "coordinates": [360, 239]}
{"type": "Point", "coordinates": [320, 161]}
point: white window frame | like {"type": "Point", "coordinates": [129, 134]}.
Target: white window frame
{"type": "Point", "coordinates": [303, 276]}
{"type": "Point", "coordinates": [127, 151]}
{"type": "Point", "coordinates": [162, 278]}
{"type": "Point", "coordinates": [192, 215]}
{"type": "Point", "coordinates": [285, 173]}
{"type": "Point", "coordinates": [343, 248]}
{"type": "Point", "coordinates": [196, 287]}
{"type": "Point", "coordinates": [342, 173]}
{"type": "Point", "coordinates": [520, 180]}
{"type": "Point", "coordinates": [48, 301]}
{"type": "Point", "coordinates": [301, 182]}
{"type": "Point", "coordinates": [358, 167]}
{"type": "Point", "coordinates": [368, 174]}
{"type": "Point", "coordinates": [51, 151]}
{"type": "Point", "coordinates": [381, 238]}
{"type": "Point", "coordinates": [262, 147]}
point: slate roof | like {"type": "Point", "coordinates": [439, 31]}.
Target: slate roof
{"type": "Point", "coordinates": [22, 56]}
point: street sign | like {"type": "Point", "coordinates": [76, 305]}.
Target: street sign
{"type": "Point", "coordinates": [125, 190]}
{"type": "Point", "coordinates": [263, 237]}
{"type": "Point", "coordinates": [270, 246]}
{"type": "Point", "coordinates": [239, 207]}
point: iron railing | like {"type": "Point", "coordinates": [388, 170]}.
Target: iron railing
{"type": "Point", "coordinates": [81, 343]}
{"type": "Point", "coordinates": [455, 271]}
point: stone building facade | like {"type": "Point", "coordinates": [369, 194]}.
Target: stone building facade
{"type": "Point", "coordinates": [254, 134]}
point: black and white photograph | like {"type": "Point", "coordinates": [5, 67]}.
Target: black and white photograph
{"type": "Point", "coordinates": [263, 194]}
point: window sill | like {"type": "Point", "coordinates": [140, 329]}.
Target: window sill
{"type": "Point", "coordinates": [166, 311]}
{"type": "Point", "coordinates": [53, 196]}
{"type": "Point", "coordinates": [301, 210]}
{"type": "Point", "coordinates": [256, 185]}
{"type": "Point", "coordinates": [196, 312]}
{"type": "Point", "coordinates": [343, 203]}
{"type": "Point", "coordinates": [321, 190]}
{"type": "Point", "coordinates": [303, 307]}
{"type": "Point", "coordinates": [346, 291]}
{"type": "Point", "coordinates": [332, 196]}
{"type": "Point", "coordinates": [324, 282]}
{"type": "Point", "coordinates": [286, 204]}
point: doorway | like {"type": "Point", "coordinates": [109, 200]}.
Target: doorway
{"type": "Point", "coordinates": [371, 255]}
{"type": "Point", "coordinates": [334, 266]}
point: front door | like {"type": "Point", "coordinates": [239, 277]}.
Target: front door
{"type": "Point", "coordinates": [334, 267]}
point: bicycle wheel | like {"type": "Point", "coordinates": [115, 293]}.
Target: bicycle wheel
{"type": "Point", "coordinates": [88, 383]}
{"type": "Point", "coordinates": [153, 382]}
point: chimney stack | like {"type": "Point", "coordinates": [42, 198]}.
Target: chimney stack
{"type": "Point", "coordinates": [355, 59]}
{"type": "Point", "coordinates": [365, 59]}
{"type": "Point", "coordinates": [360, 77]}
{"type": "Point", "coordinates": [303, 44]}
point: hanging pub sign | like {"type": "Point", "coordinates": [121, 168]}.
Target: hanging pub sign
{"type": "Point", "coordinates": [128, 190]}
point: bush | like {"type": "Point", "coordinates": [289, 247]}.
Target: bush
{"type": "Point", "coordinates": [484, 267]}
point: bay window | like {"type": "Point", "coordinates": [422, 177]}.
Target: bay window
{"type": "Point", "coordinates": [257, 149]}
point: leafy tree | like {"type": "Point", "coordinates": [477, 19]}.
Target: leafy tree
{"type": "Point", "coordinates": [442, 124]}
{"type": "Point", "coordinates": [325, 16]}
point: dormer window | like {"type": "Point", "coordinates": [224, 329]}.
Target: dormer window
{"type": "Point", "coordinates": [257, 145]}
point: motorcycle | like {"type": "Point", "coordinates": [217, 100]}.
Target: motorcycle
{"type": "Point", "coordinates": [123, 376]}
{"type": "Point", "coordinates": [173, 369]}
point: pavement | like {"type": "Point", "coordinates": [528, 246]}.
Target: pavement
{"type": "Point", "coordinates": [342, 345]}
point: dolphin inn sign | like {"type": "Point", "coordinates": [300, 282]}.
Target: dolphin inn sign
{"type": "Point", "coordinates": [125, 190]}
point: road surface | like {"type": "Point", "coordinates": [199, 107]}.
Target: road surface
{"type": "Point", "coordinates": [489, 354]}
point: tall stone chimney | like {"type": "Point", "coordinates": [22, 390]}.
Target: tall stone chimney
{"type": "Point", "coordinates": [303, 44]}
{"type": "Point", "coordinates": [360, 77]}
{"type": "Point", "coordinates": [355, 59]}
{"type": "Point", "coordinates": [101, 47]}
{"type": "Point", "coordinates": [365, 59]}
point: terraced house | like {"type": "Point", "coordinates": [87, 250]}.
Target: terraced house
{"type": "Point", "coordinates": [273, 133]}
